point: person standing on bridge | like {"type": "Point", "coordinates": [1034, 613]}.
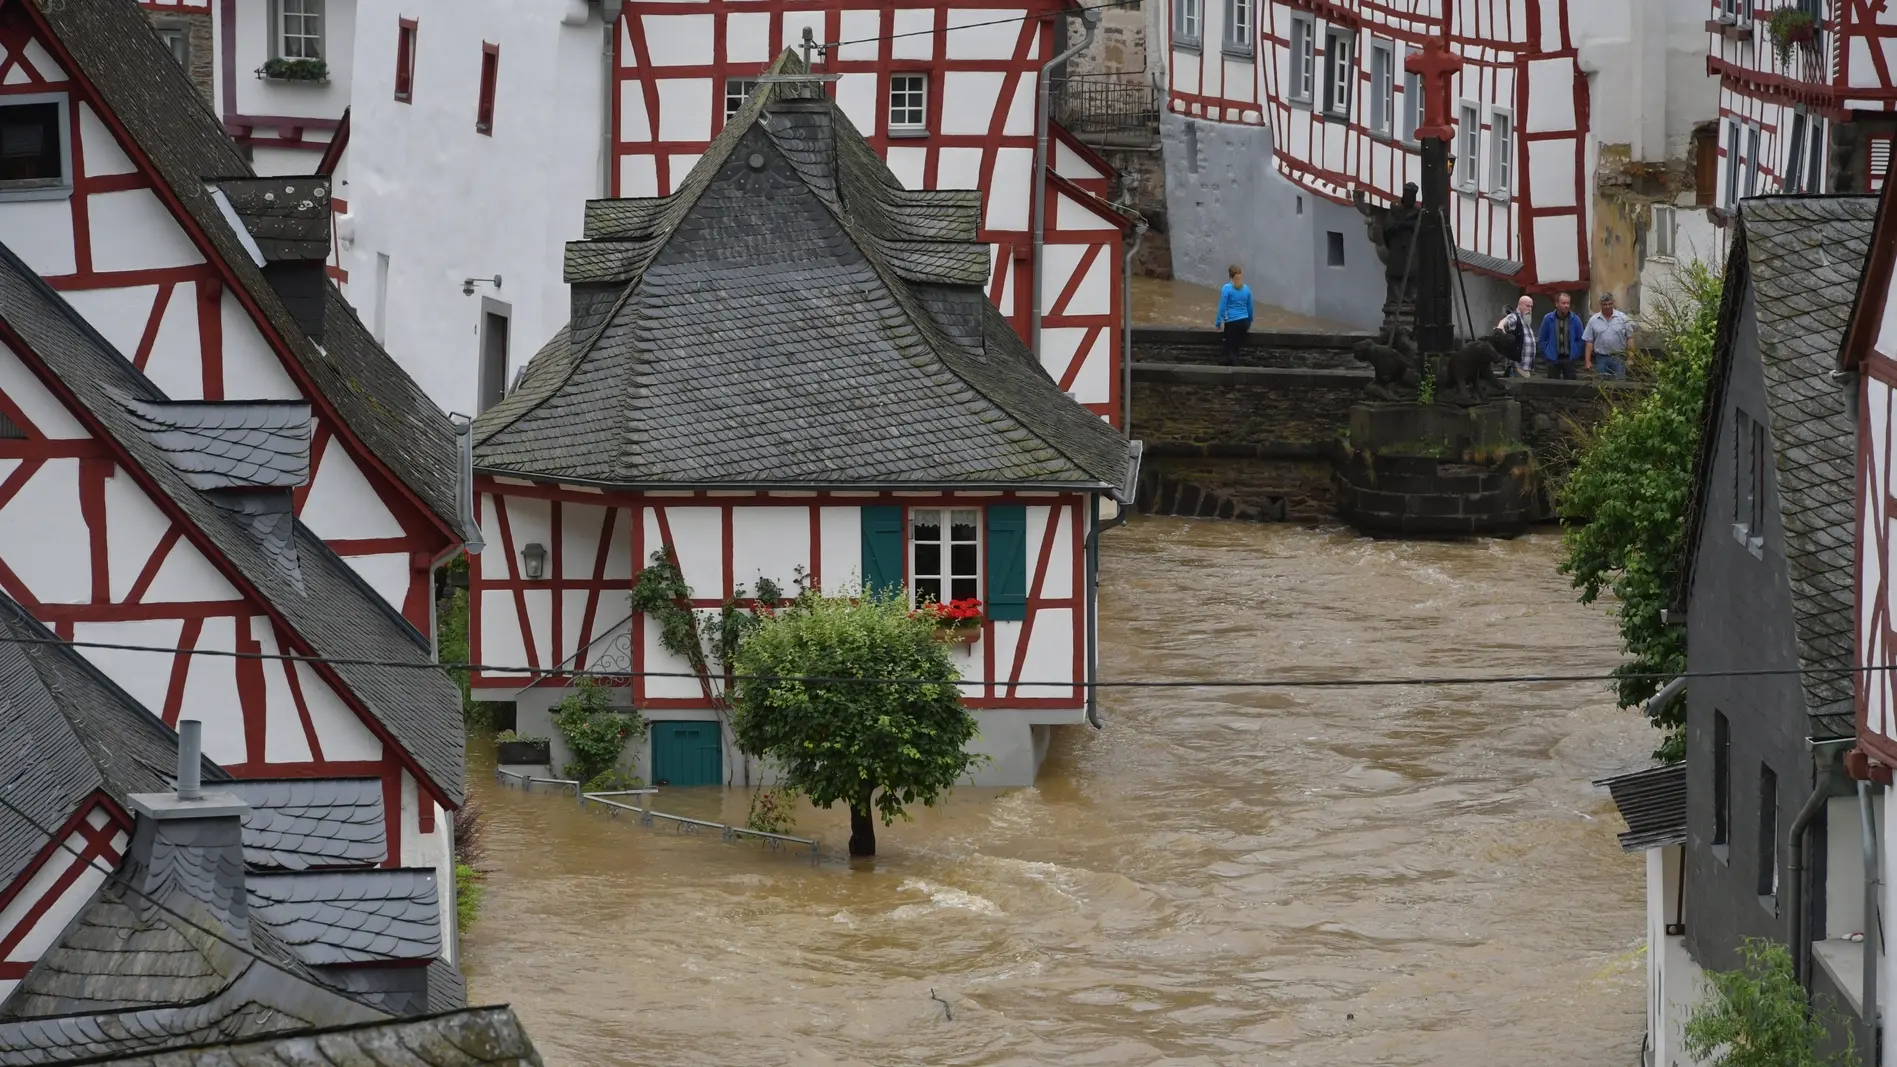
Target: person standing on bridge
{"type": "Point", "coordinates": [1606, 335]}
{"type": "Point", "coordinates": [1234, 314]}
{"type": "Point", "coordinates": [1560, 341]}
{"type": "Point", "coordinates": [1520, 327]}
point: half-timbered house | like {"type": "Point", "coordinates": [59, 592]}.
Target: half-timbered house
{"type": "Point", "coordinates": [883, 425]}
{"type": "Point", "coordinates": [491, 102]}
{"type": "Point", "coordinates": [202, 451]}
{"type": "Point", "coordinates": [1311, 108]}
{"type": "Point", "coordinates": [1773, 845]}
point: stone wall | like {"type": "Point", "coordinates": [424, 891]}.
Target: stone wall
{"type": "Point", "coordinates": [1143, 177]}
{"type": "Point", "coordinates": [196, 30]}
{"type": "Point", "coordinates": [1263, 348]}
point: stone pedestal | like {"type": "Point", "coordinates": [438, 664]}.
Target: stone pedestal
{"type": "Point", "coordinates": [1435, 471]}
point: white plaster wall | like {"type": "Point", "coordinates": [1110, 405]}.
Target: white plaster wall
{"type": "Point", "coordinates": [432, 849]}
{"type": "Point", "coordinates": [1887, 970]}
{"type": "Point", "coordinates": [266, 97]}
{"type": "Point", "coordinates": [445, 203]}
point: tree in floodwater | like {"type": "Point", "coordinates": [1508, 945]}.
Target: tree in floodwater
{"type": "Point", "coordinates": [875, 746]}
{"type": "Point", "coordinates": [1624, 502]}
{"type": "Point", "coordinates": [1757, 1016]}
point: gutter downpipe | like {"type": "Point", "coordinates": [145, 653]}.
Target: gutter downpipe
{"type": "Point", "coordinates": [609, 21]}
{"type": "Point", "coordinates": [1094, 526]}
{"type": "Point", "coordinates": [1126, 327]}
{"type": "Point", "coordinates": [1795, 882]}
{"type": "Point", "coordinates": [1873, 926]}
{"type": "Point", "coordinates": [1091, 18]}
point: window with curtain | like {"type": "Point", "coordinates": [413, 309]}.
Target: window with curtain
{"type": "Point", "coordinates": [944, 554]}
{"type": "Point", "coordinates": [299, 29]}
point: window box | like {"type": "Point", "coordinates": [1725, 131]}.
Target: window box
{"type": "Point", "coordinates": [307, 71]}
{"type": "Point", "coordinates": [528, 751]}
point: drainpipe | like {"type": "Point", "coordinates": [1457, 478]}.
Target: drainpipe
{"type": "Point", "coordinates": [1873, 928]}
{"type": "Point", "coordinates": [1795, 887]}
{"type": "Point", "coordinates": [1091, 18]}
{"type": "Point", "coordinates": [1126, 327]}
{"type": "Point", "coordinates": [609, 19]}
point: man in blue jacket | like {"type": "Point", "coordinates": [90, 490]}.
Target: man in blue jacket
{"type": "Point", "coordinates": [1559, 339]}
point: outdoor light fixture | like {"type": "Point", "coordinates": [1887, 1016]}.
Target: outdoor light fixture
{"type": "Point", "coordinates": [533, 561]}
{"type": "Point", "coordinates": [468, 284]}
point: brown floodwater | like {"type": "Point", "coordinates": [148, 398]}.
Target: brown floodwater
{"type": "Point", "coordinates": [1289, 876]}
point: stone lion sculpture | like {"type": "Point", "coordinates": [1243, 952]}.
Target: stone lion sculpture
{"type": "Point", "coordinates": [1468, 373]}
{"type": "Point", "coordinates": [1395, 366]}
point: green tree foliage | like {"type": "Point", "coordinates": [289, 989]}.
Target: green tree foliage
{"type": "Point", "coordinates": [1756, 1016]}
{"type": "Point", "coordinates": [1624, 503]}
{"type": "Point", "coordinates": [595, 732]}
{"type": "Point", "coordinates": [875, 747]}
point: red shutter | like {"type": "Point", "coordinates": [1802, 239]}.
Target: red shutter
{"type": "Point", "coordinates": [490, 72]}
{"type": "Point", "coordinates": [405, 60]}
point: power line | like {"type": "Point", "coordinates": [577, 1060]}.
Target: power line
{"type": "Point", "coordinates": [1064, 683]}
{"type": "Point", "coordinates": [826, 46]}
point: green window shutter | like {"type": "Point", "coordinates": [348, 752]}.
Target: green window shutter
{"type": "Point", "coordinates": [882, 548]}
{"type": "Point", "coordinates": [1007, 562]}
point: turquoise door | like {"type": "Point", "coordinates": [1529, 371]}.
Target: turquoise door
{"type": "Point", "coordinates": [687, 753]}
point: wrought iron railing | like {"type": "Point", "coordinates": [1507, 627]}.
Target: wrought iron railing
{"type": "Point", "coordinates": [1107, 107]}
{"type": "Point", "coordinates": [684, 824]}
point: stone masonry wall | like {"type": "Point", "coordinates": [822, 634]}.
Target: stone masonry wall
{"type": "Point", "coordinates": [196, 28]}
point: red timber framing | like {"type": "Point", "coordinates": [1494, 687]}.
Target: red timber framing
{"type": "Point", "coordinates": [1335, 157]}
{"type": "Point", "coordinates": [201, 280]}
{"type": "Point", "coordinates": [678, 104]}
{"type": "Point", "coordinates": [98, 831]}
{"type": "Point", "coordinates": [1870, 347]}
{"type": "Point", "coordinates": [105, 591]}
{"type": "Point", "coordinates": [584, 601]}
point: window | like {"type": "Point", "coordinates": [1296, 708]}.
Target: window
{"type": "Point", "coordinates": [1733, 10]}
{"type": "Point", "coordinates": [405, 60]}
{"type": "Point", "coordinates": [1339, 72]}
{"type": "Point", "coordinates": [737, 91]}
{"type": "Point", "coordinates": [493, 374]}
{"type": "Point", "coordinates": [1501, 153]}
{"type": "Point", "coordinates": [1722, 783]}
{"type": "Point", "coordinates": [1752, 160]}
{"type": "Point", "coordinates": [177, 40]}
{"type": "Point", "coordinates": [8, 431]}
{"type": "Point", "coordinates": [1382, 87]}
{"type": "Point", "coordinates": [1815, 155]}
{"type": "Point", "coordinates": [944, 564]}
{"type": "Point", "coordinates": [1412, 99]}
{"type": "Point", "coordinates": [1794, 155]}
{"type": "Point", "coordinates": [1469, 147]}
{"type": "Point", "coordinates": [1748, 472]}
{"type": "Point", "coordinates": [1187, 22]}
{"type": "Point", "coordinates": [908, 101]}
{"type": "Point", "coordinates": [1333, 248]}
{"type": "Point", "coordinates": [1660, 233]}
{"type": "Point", "coordinates": [299, 29]}
{"type": "Point", "coordinates": [1879, 162]}
{"type": "Point", "coordinates": [1705, 164]}
{"type": "Point", "coordinates": [1733, 153]}
{"type": "Point", "coordinates": [1768, 835]}
{"type": "Point", "coordinates": [35, 156]}
{"type": "Point", "coordinates": [1302, 73]}
{"type": "Point", "coordinates": [381, 332]}
{"type": "Point", "coordinates": [1238, 32]}
{"type": "Point", "coordinates": [490, 73]}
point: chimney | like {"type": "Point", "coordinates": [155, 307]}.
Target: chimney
{"type": "Point", "coordinates": [284, 223]}
{"type": "Point", "coordinates": [189, 842]}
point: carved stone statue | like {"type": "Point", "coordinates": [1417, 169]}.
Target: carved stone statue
{"type": "Point", "coordinates": [1393, 233]}
{"type": "Point", "coordinates": [1395, 366]}
{"type": "Point", "coordinates": [1468, 373]}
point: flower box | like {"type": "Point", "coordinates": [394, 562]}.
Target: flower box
{"type": "Point", "coordinates": [531, 752]}
{"type": "Point", "coordinates": [958, 635]}
{"type": "Point", "coordinates": [295, 70]}
{"type": "Point", "coordinates": [957, 622]}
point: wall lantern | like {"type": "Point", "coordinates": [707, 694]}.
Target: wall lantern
{"type": "Point", "coordinates": [533, 561]}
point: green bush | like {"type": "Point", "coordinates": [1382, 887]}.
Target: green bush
{"type": "Point", "coordinates": [595, 732]}
{"type": "Point", "coordinates": [1756, 1016]}
{"type": "Point", "coordinates": [467, 895]}
{"type": "Point", "coordinates": [874, 746]}
{"type": "Point", "coordinates": [1624, 503]}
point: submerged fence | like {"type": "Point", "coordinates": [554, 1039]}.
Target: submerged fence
{"type": "Point", "coordinates": [648, 816]}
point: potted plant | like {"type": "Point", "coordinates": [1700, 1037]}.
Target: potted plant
{"type": "Point", "coordinates": [294, 70]}
{"type": "Point", "coordinates": [957, 622]}
{"type": "Point", "coordinates": [1790, 26]}
{"type": "Point", "coordinates": [513, 749]}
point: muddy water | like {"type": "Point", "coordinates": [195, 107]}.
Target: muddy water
{"type": "Point", "coordinates": [1170, 302]}
{"type": "Point", "coordinates": [1416, 876]}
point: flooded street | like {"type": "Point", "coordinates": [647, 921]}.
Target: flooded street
{"type": "Point", "coordinates": [1316, 876]}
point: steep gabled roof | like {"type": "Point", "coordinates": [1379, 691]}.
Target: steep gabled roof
{"type": "Point", "coordinates": [111, 45]}
{"type": "Point", "coordinates": [791, 316]}
{"type": "Point", "coordinates": [322, 599]}
{"type": "Point", "coordinates": [469, 1037]}
{"type": "Point", "coordinates": [1653, 803]}
{"type": "Point", "coordinates": [1795, 262]}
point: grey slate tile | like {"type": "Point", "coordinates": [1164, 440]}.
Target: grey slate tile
{"type": "Point", "coordinates": [477, 1037]}
{"type": "Point", "coordinates": [301, 824]}
{"type": "Point", "coordinates": [226, 445]}
{"type": "Point", "coordinates": [287, 217]}
{"type": "Point", "coordinates": [345, 917]}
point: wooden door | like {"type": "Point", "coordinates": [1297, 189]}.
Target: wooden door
{"type": "Point", "coordinates": [687, 754]}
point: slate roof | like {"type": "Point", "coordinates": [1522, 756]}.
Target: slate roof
{"type": "Point", "coordinates": [300, 824]}
{"type": "Point", "coordinates": [351, 916]}
{"type": "Point", "coordinates": [471, 1037]}
{"type": "Point", "coordinates": [66, 732]}
{"type": "Point", "coordinates": [113, 49]}
{"type": "Point", "coordinates": [230, 444]}
{"type": "Point", "coordinates": [1802, 257]}
{"type": "Point", "coordinates": [323, 600]}
{"type": "Point", "coordinates": [287, 217]}
{"type": "Point", "coordinates": [769, 323]}
{"type": "Point", "coordinates": [1653, 803]}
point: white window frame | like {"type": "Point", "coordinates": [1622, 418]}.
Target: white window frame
{"type": "Point", "coordinates": [44, 188]}
{"type": "Point", "coordinates": [1300, 76]}
{"type": "Point", "coordinates": [1735, 155]}
{"type": "Point", "coordinates": [1501, 153]}
{"type": "Point", "coordinates": [1412, 99]}
{"type": "Point", "coordinates": [1754, 136]}
{"type": "Point", "coordinates": [1188, 23]}
{"type": "Point", "coordinates": [907, 84]}
{"type": "Point", "coordinates": [1469, 147]}
{"type": "Point", "coordinates": [946, 574]}
{"type": "Point", "coordinates": [280, 29]}
{"type": "Point", "coordinates": [1814, 180]}
{"type": "Point", "coordinates": [1382, 87]}
{"type": "Point", "coordinates": [1340, 79]}
{"type": "Point", "coordinates": [1240, 27]}
{"type": "Point", "coordinates": [1662, 232]}
{"type": "Point", "coordinates": [744, 87]}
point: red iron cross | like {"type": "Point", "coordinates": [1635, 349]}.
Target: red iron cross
{"type": "Point", "coordinates": [1437, 64]}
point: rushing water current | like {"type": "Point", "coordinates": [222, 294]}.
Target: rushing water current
{"type": "Point", "coordinates": [1286, 876]}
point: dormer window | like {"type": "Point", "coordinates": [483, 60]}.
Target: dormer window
{"type": "Point", "coordinates": [35, 152]}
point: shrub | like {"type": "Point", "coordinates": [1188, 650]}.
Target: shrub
{"type": "Point", "coordinates": [595, 732]}
{"type": "Point", "coordinates": [1756, 1016]}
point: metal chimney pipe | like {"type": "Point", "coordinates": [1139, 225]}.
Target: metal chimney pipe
{"type": "Point", "coordinates": [190, 757]}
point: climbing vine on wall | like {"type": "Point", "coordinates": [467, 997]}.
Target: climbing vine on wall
{"type": "Point", "coordinates": [596, 733]}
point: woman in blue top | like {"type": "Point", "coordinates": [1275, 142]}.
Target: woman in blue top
{"type": "Point", "coordinates": [1234, 313]}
